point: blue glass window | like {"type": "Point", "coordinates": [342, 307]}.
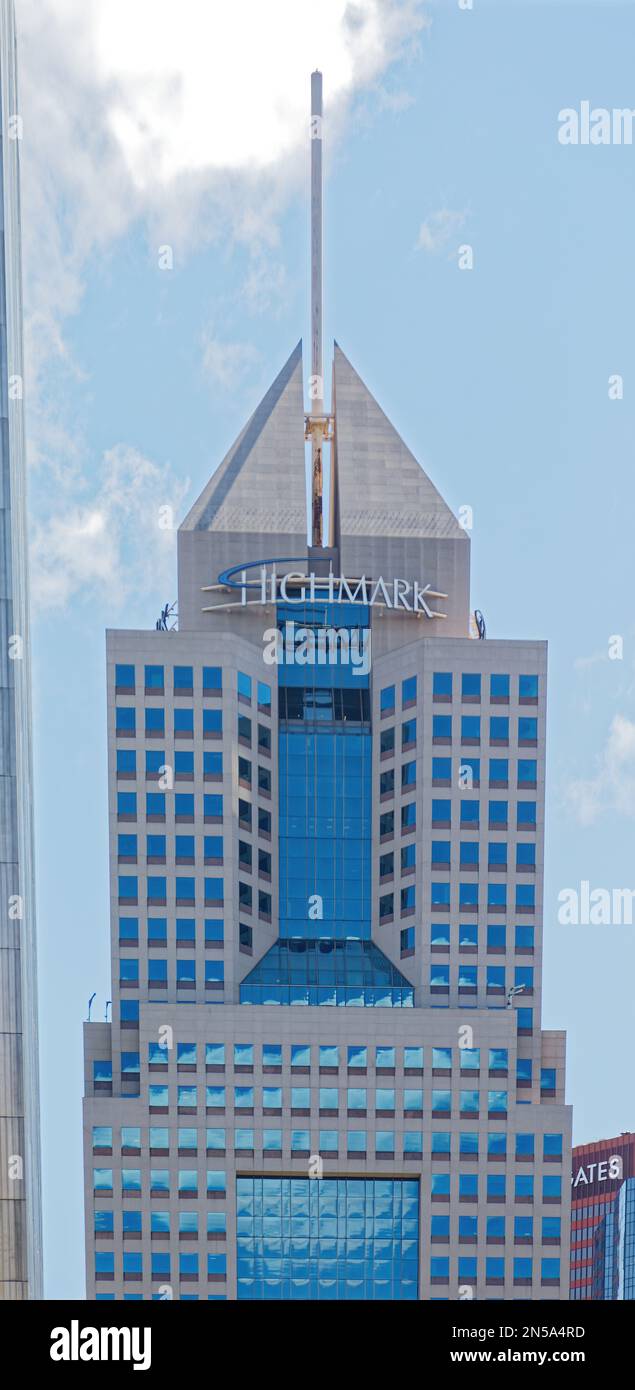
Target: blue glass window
{"type": "Point", "coordinates": [244, 685]}
{"type": "Point", "coordinates": [184, 720]}
{"type": "Point", "coordinates": [153, 679]}
{"type": "Point", "coordinates": [124, 677]}
{"type": "Point", "coordinates": [387, 699]}
{"type": "Point", "coordinates": [499, 687]}
{"type": "Point", "coordinates": [408, 690]}
{"type": "Point", "coordinates": [184, 763]}
{"type": "Point", "coordinates": [499, 729]}
{"type": "Point", "coordinates": [470, 685]}
{"type": "Point", "coordinates": [155, 721]}
{"type": "Point", "coordinates": [384, 1056]}
{"type": "Point", "coordinates": [183, 679]}
{"type": "Point", "coordinates": [499, 770]}
{"type": "Point", "coordinates": [526, 854]}
{"type": "Point", "coordinates": [496, 937]}
{"type": "Point", "coordinates": [528, 687]}
{"type": "Point", "coordinates": [497, 852]}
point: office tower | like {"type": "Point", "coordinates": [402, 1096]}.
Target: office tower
{"type": "Point", "coordinates": [602, 1251]}
{"type": "Point", "coordinates": [20, 1184]}
{"type": "Point", "coordinates": [325, 1075]}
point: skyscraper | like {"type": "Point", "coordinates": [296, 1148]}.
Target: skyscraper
{"type": "Point", "coordinates": [325, 1076]}
{"type": "Point", "coordinates": [20, 1185]}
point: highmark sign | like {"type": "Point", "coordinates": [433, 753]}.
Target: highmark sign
{"type": "Point", "coordinates": [408, 596]}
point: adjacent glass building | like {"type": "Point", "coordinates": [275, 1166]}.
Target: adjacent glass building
{"type": "Point", "coordinates": [325, 1076]}
{"type": "Point", "coordinates": [614, 1248]}
{"type": "Point", "coordinates": [20, 1183]}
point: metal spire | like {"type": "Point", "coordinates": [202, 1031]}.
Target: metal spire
{"type": "Point", "coordinates": [318, 424]}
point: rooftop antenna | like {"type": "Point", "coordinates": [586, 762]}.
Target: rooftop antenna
{"type": "Point", "coordinates": [90, 1003]}
{"type": "Point", "coordinates": [318, 425]}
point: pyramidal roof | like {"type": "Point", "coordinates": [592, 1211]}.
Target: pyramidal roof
{"type": "Point", "coordinates": [381, 489]}
{"type": "Point", "coordinates": [260, 486]}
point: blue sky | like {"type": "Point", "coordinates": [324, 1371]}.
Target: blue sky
{"type": "Point", "coordinates": [497, 378]}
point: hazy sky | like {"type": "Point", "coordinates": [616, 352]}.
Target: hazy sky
{"type": "Point", "coordinates": [149, 125]}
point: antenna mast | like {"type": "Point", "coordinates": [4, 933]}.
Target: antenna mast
{"type": "Point", "coordinates": [318, 425]}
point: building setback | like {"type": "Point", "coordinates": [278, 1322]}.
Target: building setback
{"type": "Point", "coordinates": [602, 1258]}
{"type": "Point", "coordinates": [325, 1075]}
{"type": "Point", "coordinates": [20, 1182]}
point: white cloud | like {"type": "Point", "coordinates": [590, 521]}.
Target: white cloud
{"type": "Point", "coordinates": [115, 544]}
{"type": "Point", "coordinates": [191, 120]}
{"type": "Point", "coordinates": [613, 786]}
{"type": "Point", "coordinates": [193, 117]}
{"type": "Point", "coordinates": [581, 663]}
{"type": "Point", "coordinates": [227, 363]}
{"type": "Point", "coordinates": [438, 228]}
{"type": "Point", "coordinates": [265, 286]}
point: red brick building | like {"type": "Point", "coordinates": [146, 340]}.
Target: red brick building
{"type": "Point", "coordinates": [598, 1171]}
